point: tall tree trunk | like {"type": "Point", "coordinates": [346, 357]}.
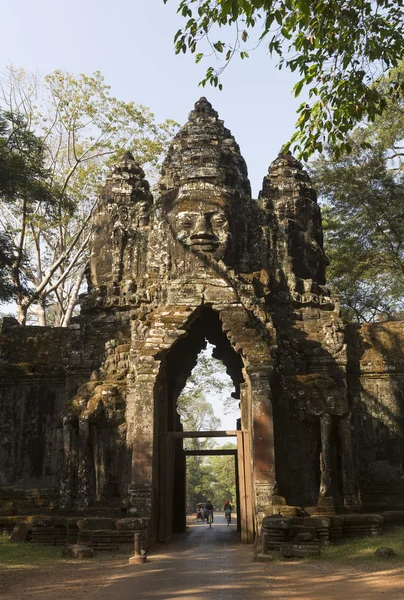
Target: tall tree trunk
{"type": "Point", "coordinates": [73, 299]}
{"type": "Point", "coordinates": [40, 312]}
{"type": "Point", "coordinates": [21, 312]}
{"type": "Point", "coordinates": [58, 316]}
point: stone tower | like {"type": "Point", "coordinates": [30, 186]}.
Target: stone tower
{"type": "Point", "coordinates": [201, 260]}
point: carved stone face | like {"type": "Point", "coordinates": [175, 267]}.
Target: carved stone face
{"type": "Point", "coordinates": [202, 226]}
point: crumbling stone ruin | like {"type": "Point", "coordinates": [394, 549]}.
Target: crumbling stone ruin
{"type": "Point", "coordinates": [87, 414]}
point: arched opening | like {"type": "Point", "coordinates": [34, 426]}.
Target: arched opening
{"type": "Point", "coordinates": [206, 403]}
{"type": "Point", "coordinates": [176, 367]}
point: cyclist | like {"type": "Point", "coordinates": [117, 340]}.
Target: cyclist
{"type": "Point", "coordinates": [227, 511]}
{"type": "Point", "coordinates": [209, 508]}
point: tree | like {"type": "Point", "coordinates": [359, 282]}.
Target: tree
{"type": "Point", "coordinates": [197, 415]}
{"type": "Point", "coordinates": [24, 180]}
{"type": "Point", "coordinates": [363, 214]}
{"type": "Point", "coordinates": [83, 130]}
{"type": "Point", "coordinates": [338, 49]}
{"type": "Point", "coordinates": [195, 410]}
{"type": "Point", "coordinates": [363, 220]}
{"type": "Point", "coordinates": [222, 470]}
{"type": "Point", "coordinates": [208, 378]}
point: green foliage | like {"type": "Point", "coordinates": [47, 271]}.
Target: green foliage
{"type": "Point", "coordinates": [7, 258]}
{"type": "Point", "coordinates": [205, 478]}
{"type": "Point", "coordinates": [337, 49]}
{"type": "Point", "coordinates": [207, 379]}
{"type": "Point", "coordinates": [363, 549]}
{"type": "Point", "coordinates": [12, 554]}
{"type": "Point", "coordinates": [23, 178]}
{"type": "Point", "coordinates": [211, 478]}
{"type": "Point", "coordinates": [199, 482]}
{"type": "Point", "coordinates": [363, 216]}
{"type": "Point", "coordinates": [22, 157]}
{"type": "Point", "coordinates": [222, 469]}
{"type": "Point", "coordinates": [82, 129]}
{"type": "Point", "coordinates": [363, 221]}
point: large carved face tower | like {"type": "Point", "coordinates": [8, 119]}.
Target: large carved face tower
{"type": "Point", "coordinates": [199, 260]}
{"type": "Point", "coordinates": [204, 187]}
{"type": "Point", "coordinates": [203, 260]}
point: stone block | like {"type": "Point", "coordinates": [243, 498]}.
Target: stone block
{"type": "Point", "coordinates": [300, 550]}
{"type": "Point", "coordinates": [219, 294]}
{"type": "Point", "coordinates": [385, 552]}
{"type": "Point", "coordinates": [304, 537]}
{"type": "Point", "coordinates": [130, 524]}
{"type": "Point", "coordinates": [274, 522]}
{"type": "Point", "coordinates": [95, 523]}
{"type": "Point", "coordinates": [139, 559]}
{"type": "Point", "coordinates": [393, 516]}
{"type": "Point", "coordinates": [359, 519]}
{"type": "Point", "coordinates": [336, 521]}
{"type": "Point", "coordinates": [43, 522]}
{"type": "Point", "coordinates": [20, 533]}
{"type": "Point", "coordinates": [296, 530]}
{"type": "Point", "coordinates": [316, 522]}
{"type": "Point", "coordinates": [359, 524]}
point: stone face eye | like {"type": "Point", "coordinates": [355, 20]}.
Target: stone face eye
{"type": "Point", "coordinates": [219, 219]}
{"type": "Point", "coordinates": [186, 223]}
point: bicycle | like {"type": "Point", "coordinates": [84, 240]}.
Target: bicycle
{"type": "Point", "coordinates": [209, 518]}
{"type": "Point", "coordinates": [228, 516]}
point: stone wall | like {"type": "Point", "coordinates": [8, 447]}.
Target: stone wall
{"type": "Point", "coordinates": [376, 389]}
{"type": "Point", "coordinates": [85, 412]}
{"type": "Point", "coordinates": [32, 399]}
{"type": "Point", "coordinates": [41, 370]}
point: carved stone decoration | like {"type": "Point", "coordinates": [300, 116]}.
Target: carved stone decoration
{"type": "Point", "coordinates": [205, 188]}
{"type": "Point", "coordinates": [123, 212]}
{"type": "Point", "coordinates": [292, 212]}
{"type": "Point", "coordinates": [89, 421]}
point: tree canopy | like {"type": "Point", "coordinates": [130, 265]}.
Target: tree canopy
{"type": "Point", "coordinates": [363, 219]}
{"type": "Point", "coordinates": [207, 477]}
{"type": "Point", "coordinates": [79, 129]}
{"type": "Point", "coordinates": [22, 176]}
{"type": "Point", "coordinates": [338, 49]}
{"type": "Point", "coordinates": [363, 216]}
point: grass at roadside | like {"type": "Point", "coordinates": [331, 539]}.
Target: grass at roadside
{"type": "Point", "coordinates": [358, 550]}
{"type": "Point", "coordinates": [26, 554]}
{"type": "Point", "coordinates": [363, 549]}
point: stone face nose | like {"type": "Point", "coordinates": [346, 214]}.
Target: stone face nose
{"type": "Point", "coordinates": [202, 229]}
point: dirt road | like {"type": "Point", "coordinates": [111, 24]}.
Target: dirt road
{"type": "Point", "coordinates": [203, 564]}
{"type": "Point", "coordinates": [208, 564]}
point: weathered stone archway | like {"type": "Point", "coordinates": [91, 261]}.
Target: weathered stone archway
{"type": "Point", "coordinates": [159, 383]}
{"type": "Point", "coordinates": [260, 266]}
{"type": "Point", "coordinates": [82, 409]}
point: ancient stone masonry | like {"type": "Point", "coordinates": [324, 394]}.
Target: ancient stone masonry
{"type": "Point", "coordinates": [86, 413]}
{"type": "Point", "coordinates": [376, 391]}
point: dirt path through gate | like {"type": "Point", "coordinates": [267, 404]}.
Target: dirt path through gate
{"type": "Point", "coordinates": [203, 564]}
{"type": "Point", "coordinates": [211, 564]}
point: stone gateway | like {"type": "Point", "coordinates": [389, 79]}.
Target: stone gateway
{"type": "Point", "coordinates": [88, 419]}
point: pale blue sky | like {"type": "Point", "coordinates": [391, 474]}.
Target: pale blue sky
{"type": "Point", "coordinates": [130, 42]}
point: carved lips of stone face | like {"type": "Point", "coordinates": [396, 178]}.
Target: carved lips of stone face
{"type": "Point", "coordinates": [203, 226]}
